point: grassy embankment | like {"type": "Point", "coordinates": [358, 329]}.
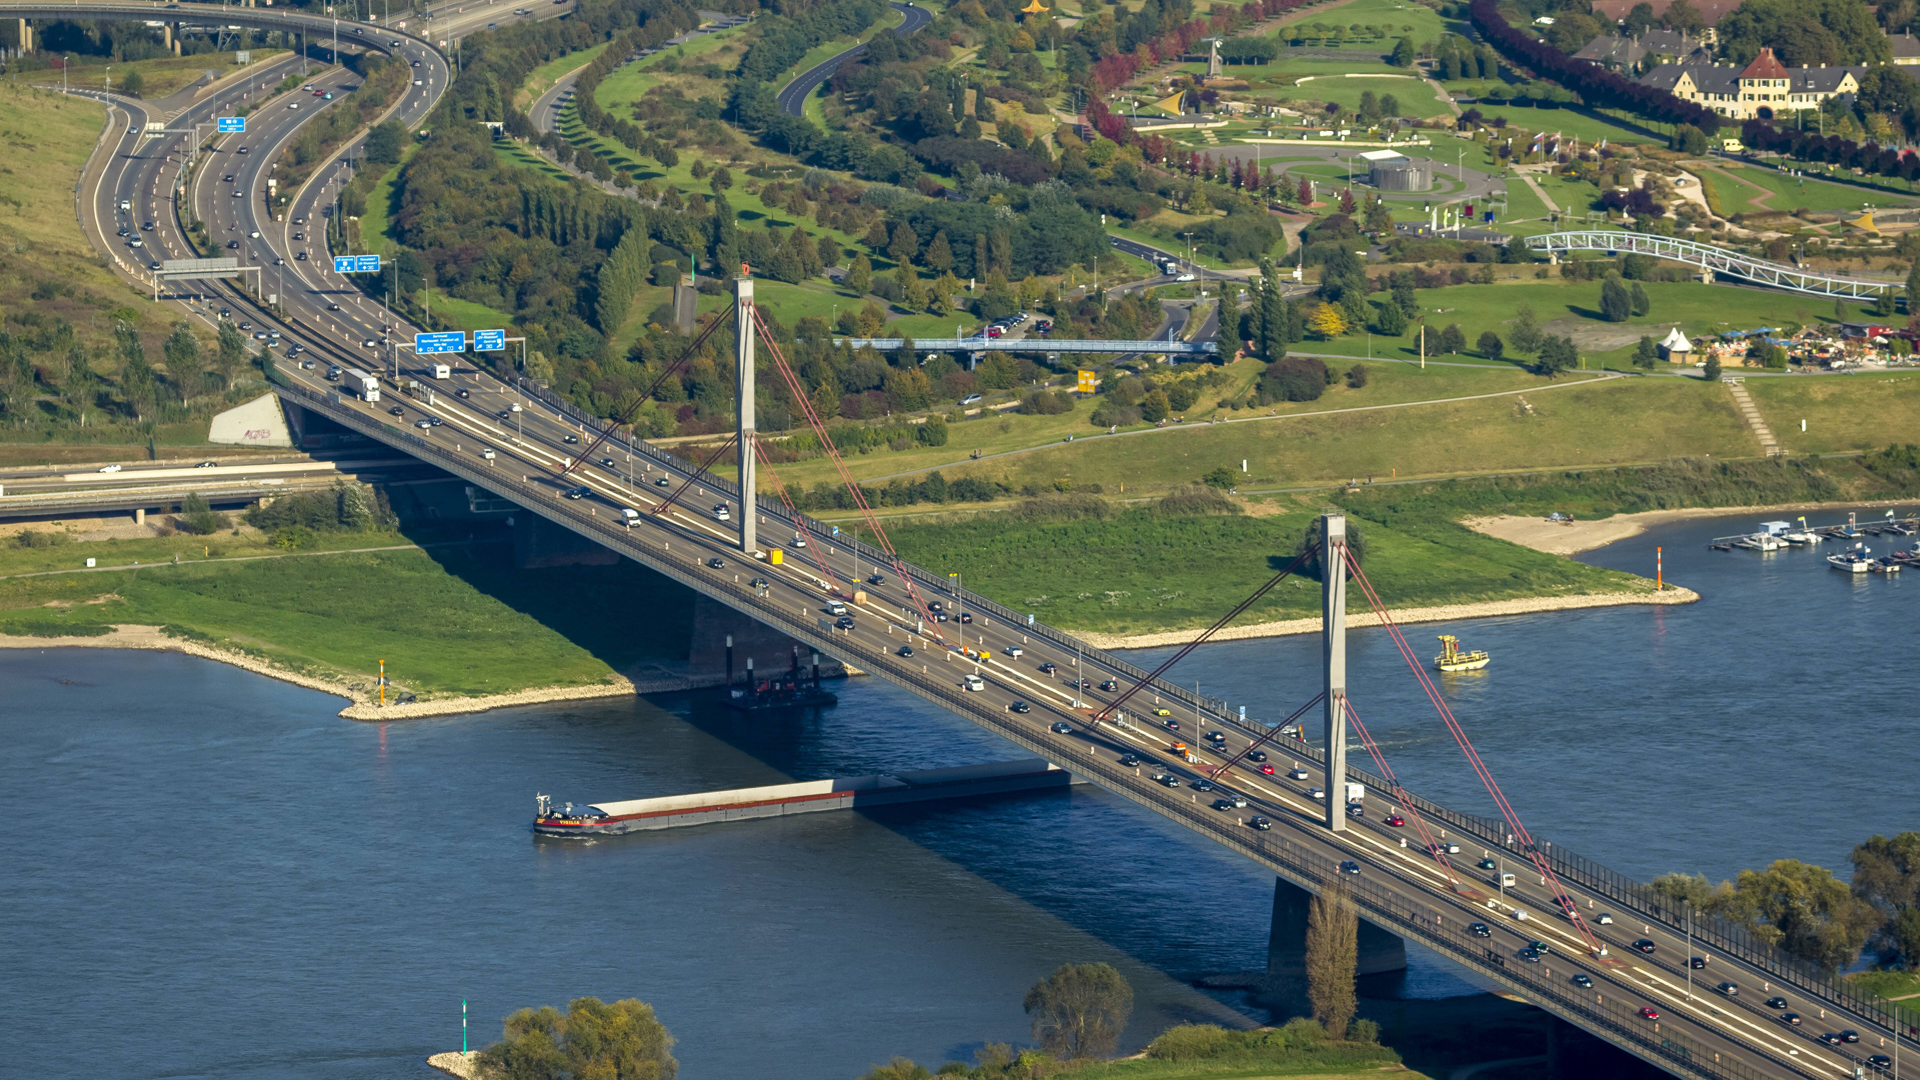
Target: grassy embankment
{"type": "Point", "coordinates": [449, 620]}
{"type": "Point", "coordinates": [159, 76]}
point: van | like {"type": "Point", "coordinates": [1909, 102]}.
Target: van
{"type": "Point", "coordinates": [975, 683]}
{"type": "Point", "coordinates": [442, 371]}
{"type": "Point", "coordinates": [629, 516]}
{"type": "Point", "coordinates": [1505, 881]}
{"type": "Point", "coordinates": [836, 608]}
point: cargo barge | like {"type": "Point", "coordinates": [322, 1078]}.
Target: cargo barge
{"type": "Point", "coordinates": [806, 797]}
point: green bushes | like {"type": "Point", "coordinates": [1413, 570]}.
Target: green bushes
{"type": "Point", "coordinates": [1300, 1038]}
{"type": "Point", "coordinates": [343, 507]}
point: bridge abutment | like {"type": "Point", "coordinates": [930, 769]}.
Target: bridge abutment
{"type": "Point", "coordinates": [1380, 951]}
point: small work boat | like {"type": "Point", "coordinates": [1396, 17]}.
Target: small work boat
{"type": "Point", "coordinates": [1802, 535]}
{"type": "Point", "coordinates": [1887, 565]}
{"type": "Point", "coordinates": [1451, 657]}
{"type": "Point", "coordinates": [1855, 560]}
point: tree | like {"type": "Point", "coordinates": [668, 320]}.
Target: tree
{"type": "Point", "coordinates": [1219, 477]}
{"type": "Point", "coordinates": [182, 351]}
{"type": "Point", "coordinates": [1402, 53]}
{"type": "Point", "coordinates": [1557, 354]}
{"type": "Point", "coordinates": [1525, 335]}
{"type": "Point", "coordinates": [1453, 339]}
{"type": "Point", "coordinates": [1637, 297]}
{"type": "Point", "coordinates": [1886, 874]}
{"type": "Point", "coordinates": [198, 518]}
{"type": "Point", "coordinates": [1804, 910]}
{"type": "Point", "coordinates": [1711, 372]}
{"type": "Point", "coordinates": [1615, 302]}
{"type": "Point", "coordinates": [1689, 139]}
{"type": "Point", "coordinates": [1333, 955]}
{"type": "Point", "coordinates": [1390, 322]}
{"type": "Point", "coordinates": [1155, 407]}
{"type": "Point", "coordinates": [133, 84]}
{"type": "Point", "coordinates": [1490, 345]}
{"type": "Point", "coordinates": [592, 1039]}
{"type": "Point", "coordinates": [1293, 378]}
{"type": "Point", "coordinates": [1644, 354]}
{"type": "Point", "coordinates": [904, 246]}
{"type": "Point", "coordinates": [1357, 377]}
{"type": "Point", "coordinates": [939, 254]}
{"type": "Point", "coordinates": [1328, 321]}
{"type": "Point", "coordinates": [859, 279]}
{"type": "Point", "coordinates": [385, 142]}
{"type": "Point", "coordinates": [1079, 1010]}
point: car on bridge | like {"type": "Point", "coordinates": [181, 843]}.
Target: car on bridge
{"type": "Point", "coordinates": [845, 622]}
{"type": "Point", "coordinates": [1696, 962]}
{"type": "Point", "coordinates": [1348, 866]}
{"type": "Point", "coordinates": [1530, 955]}
{"type": "Point", "coordinates": [1729, 989]}
{"type": "Point", "coordinates": [1259, 823]}
{"type": "Point", "coordinates": [904, 651]}
{"type": "Point", "coordinates": [1648, 1012]}
{"type": "Point", "coordinates": [1049, 668]}
{"type": "Point", "coordinates": [1644, 945]}
{"type": "Point", "coordinates": [1256, 755]}
{"type": "Point", "coordinates": [1223, 804]}
{"type": "Point", "coordinates": [1266, 770]}
{"type": "Point", "coordinates": [1880, 1061]}
{"type": "Point", "coordinates": [1479, 929]}
{"type": "Point", "coordinates": [1396, 821]}
{"type": "Point", "coordinates": [665, 481]}
{"type": "Point", "coordinates": [717, 563]}
{"type": "Point", "coordinates": [1167, 779]}
{"type": "Point", "coordinates": [1776, 1003]}
{"type": "Point", "coordinates": [1582, 980]}
{"type": "Point", "coordinates": [1296, 773]}
{"type": "Point", "coordinates": [1791, 1019]}
{"type": "Point", "coordinates": [973, 682]}
{"type": "Point", "coordinates": [1059, 727]}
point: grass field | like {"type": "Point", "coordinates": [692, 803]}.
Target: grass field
{"type": "Point", "coordinates": [448, 620]}
{"type": "Point", "coordinates": [542, 78]}
{"type": "Point", "coordinates": [1793, 193]}
{"type": "Point", "coordinates": [1387, 384]}
{"type": "Point", "coordinates": [377, 222]}
{"type": "Point", "coordinates": [467, 315]}
{"type": "Point", "coordinates": [1415, 96]}
{"type": "Point", "coordinates": [1854, 412]}
{"type": "Point", "coordinates": [161, 76]}
{"type": "Point", "coordinates": [1138, 572]}
{"type": "Point", "coordinates": [1618, 422]}
{"type": "Point", "coordinates": [630, 82]}
{"type": "Point", "coordinates": [45, 139]}
{"type": "Point", "coordinates": [1589, 128]}
{"type": "Point", "coordinates": [1426, 22]}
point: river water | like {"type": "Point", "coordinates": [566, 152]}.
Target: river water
{"type": "Point", "coordinates": [211, 875]}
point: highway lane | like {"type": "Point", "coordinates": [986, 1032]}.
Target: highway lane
{"type": "Point", "coordinates": [792, 98]}
{"type": "Point", "coordinates": [536, 442]}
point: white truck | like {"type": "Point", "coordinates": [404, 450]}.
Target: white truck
{"type": "Point", "coordinates": [1356, 793]}
{"type": "Point", "coordinates": [441, 371]}
{"type": "Point", "coordinates": [365, 386]}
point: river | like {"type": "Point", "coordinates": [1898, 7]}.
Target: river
{"type": "Point", "coordinates": [224, 880]}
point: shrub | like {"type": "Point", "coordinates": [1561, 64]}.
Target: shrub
{"type": "Point", "coordinates": [1046, 403]}
{"type": "Point", "coordinates": [33, 538]}
{"type": "Point", "coordinates": [1063, 507]}
{"type": "Point", "coordinates": [198, 518]}
{"type": "Point", "coordinates": [1195, 500]}
{"type": "Point", "coordinates": [291, 537]}
{"type": "Point", "coordinates": [1192, 1042]}
{"type": "Point", "coordinates": [1219, 477]}
{"type": "Point", "coordinates": [1357, 376]}
{"type": "Point", "coordinates": [1293, 378]}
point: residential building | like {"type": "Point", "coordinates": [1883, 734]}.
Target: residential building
{"type": "Point", "coordinates": [1620, 53]}
{"type": "Point", "coordinates": [1764, 89]}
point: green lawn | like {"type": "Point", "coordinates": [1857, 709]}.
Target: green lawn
{"type": "Point", "coordinates": [1791, 193]}
{"type": "Point", "coordinates": [161, 75]}
{"type": "Point", "coordinates": [1426, 22]}
{"type": "Point", "coordinates": [1589, 129]}
{"type": "Point", "coordinates": [1622, 421]}
{"type": "Point", "coordinates": [465, 314]}
{"type": "Point", "coordinates": [376, 223]}
{"type": "Point", "coordinates": [1852, 412]}
{"type": "Point", "coordinates": [450, 620]}
{"type": "Point", "coordinates": [630, 82]}
{"type": "Point", "coordinates": [1136, 572]}
{"type": "Point", "coordinates": [542, 78]}
{"type": "Point", "coordinates": [1415, 96]}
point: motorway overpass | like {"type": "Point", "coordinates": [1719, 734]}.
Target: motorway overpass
{"type": "Point", "coordinates": [517, 442]}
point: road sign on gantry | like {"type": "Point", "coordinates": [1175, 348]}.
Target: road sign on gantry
{"type": "Point", "coordinates": [1085, 385]}
{"type": "Point", "coordinates": [356, 264]}
{"type": "Point", "coordinates": [449, 341]}
{"type": "Point", "coordinates": [231, 123]}
{"type": "Point", "coordinates": [489, 341]}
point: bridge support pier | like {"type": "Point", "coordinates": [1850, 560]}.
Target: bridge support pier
{"type": "Point", "coordinates": [749, 509]}
{"type": "Point", "coordinates": [1333, 651]}
{"type": "Point", "coordinates": [1380, 951]}
{"type": "Point", "coordinates": [26, 37]}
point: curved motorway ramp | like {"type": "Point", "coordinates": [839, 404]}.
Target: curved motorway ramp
{"type": "Point", "coordinates": [793, 96]}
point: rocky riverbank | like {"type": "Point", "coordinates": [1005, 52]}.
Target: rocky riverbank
{"type": "Point", "coordinates": [1444, 613]}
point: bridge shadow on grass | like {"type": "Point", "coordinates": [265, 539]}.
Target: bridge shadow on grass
{"type": "Point", "coordinates": [623, 614]}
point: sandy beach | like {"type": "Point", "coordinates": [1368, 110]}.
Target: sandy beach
{"type": "Point", "coordinates": [1445, 613]}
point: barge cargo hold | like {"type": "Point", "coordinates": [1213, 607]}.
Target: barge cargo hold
{"type": "Point", "coordinates": [806, 797]}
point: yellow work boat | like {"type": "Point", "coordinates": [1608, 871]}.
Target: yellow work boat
{"type": "Point", "coordinates": [1451, 657]}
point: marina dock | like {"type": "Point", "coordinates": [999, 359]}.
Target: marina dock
{"type": "Point", "coordinates": [806, 797]}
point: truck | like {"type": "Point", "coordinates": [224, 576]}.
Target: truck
{"type": "Point", "coordinates": [1732, 146]}
{"type": "Point", "coordinates": [365, 386]}
{"type": "Point", "coordinates": [441, 371]}
{"type": "Point", "coordinates": [1356, 793]}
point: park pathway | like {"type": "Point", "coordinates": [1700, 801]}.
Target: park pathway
{"type": "Point", "coordinates": [1751, 412]}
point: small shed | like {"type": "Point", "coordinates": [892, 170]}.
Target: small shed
{"type": "Point", "coordinates": [1676, 347]}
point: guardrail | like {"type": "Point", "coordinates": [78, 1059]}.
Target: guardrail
{"type": "Point", "coordinates": [1589, 874]}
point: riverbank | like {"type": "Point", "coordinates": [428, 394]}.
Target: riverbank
{"type": "Point", "coordinates": [156, 639]}
{"type": "Point", "coordinates": [1574, 537]}
{"type": "Point", "coordinates": [1672, 594]}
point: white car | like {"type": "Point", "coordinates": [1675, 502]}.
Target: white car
{"type": "Point", "coordinates": [486, 452]}
{"type": "Point", "coordinates": [109, 468]}
{"type": "Point", "coordinates": [1016, 651]}
{"type": "Point", "coordinates": [972, 399]}
{"type": "Point", "coordinates": [293, 104]}
{"type": "Point", "coordinates": [975, 683]}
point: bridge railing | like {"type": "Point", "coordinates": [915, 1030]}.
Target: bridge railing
{"type": "Point", "coordinates": [1628, 894]}
{"type": "Point", "coordinates": [1709, 256]}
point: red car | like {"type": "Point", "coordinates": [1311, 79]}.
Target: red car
{"type": "Point", "coordinates": [1648, 1012]}
{"type": "Point", "coordinates": [1266, 769]}
{"type": "Point", "coordinates": [1396, 820]}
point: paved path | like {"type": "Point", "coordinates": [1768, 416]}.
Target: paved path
{"type": "Point", "coordinates": [792, 97]}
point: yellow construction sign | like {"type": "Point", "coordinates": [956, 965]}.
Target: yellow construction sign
{"type": "Point", "coordinates": [1086, 383]}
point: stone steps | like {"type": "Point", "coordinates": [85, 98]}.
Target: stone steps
{"type": "Point", "coordinates": [1751, 413]}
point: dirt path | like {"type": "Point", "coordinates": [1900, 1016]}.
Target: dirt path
{"type": "Point", "coordinates": [1758, 202]}
{"type": "Point", "coordinates": [1571, 538]}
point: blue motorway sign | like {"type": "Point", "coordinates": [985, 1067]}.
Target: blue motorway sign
{"type": "Point", "coordinates": [356, 264]}
{"type": "Point", "coordinates": [450, 341]}
{"type": "Point", "coordinates": [489, 341]}
{"type": "Point", "coordinates": [231, 123]}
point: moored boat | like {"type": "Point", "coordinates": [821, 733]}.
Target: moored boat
{"type": "Point", "coordinates": [1453, 658]}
